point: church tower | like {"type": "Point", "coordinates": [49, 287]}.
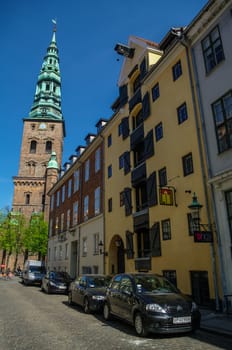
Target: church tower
{"type": "Point", "coordinates": [43, 134]}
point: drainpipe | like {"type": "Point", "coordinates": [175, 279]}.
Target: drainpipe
{"type": "Point", "coordinates": [183, 42]}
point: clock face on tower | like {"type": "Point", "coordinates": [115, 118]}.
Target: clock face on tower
{"type": "Point", "coordinates": [42, 126]}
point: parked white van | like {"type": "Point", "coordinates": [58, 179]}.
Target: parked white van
{"type": "Point", "coordinates": [33, 272]}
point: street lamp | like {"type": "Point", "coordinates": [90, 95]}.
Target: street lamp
{"type": "Point", "coordinates": [195, 207]}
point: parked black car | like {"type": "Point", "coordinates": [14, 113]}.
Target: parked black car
{"type": "Point", "coordinates": [150, 303]}
{"type": "Point", "coordinates": [56, 282]}
{"type": "Point", "coordinates": [89, 291]}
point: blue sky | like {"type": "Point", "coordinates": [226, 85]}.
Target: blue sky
{"type": "Point", "coordinates": [87, 32]}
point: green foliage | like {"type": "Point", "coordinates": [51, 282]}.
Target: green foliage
{"type": "Point", "coordinates": [18, 236]}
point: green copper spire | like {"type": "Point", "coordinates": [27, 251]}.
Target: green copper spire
{"type": "Point", "coordinates": [52, 164]}
{"type": "Point", "coordinates": [47, 100]}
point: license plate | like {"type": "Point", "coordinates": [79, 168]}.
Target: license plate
{"type": "Point", "coordinates": [182, 320]}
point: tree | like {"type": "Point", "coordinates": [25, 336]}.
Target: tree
{"type": "Point", "coordinates": [36, 236]}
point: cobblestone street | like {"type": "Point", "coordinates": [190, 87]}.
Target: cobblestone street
{"type": "Point", "coordinates": [33, 320]}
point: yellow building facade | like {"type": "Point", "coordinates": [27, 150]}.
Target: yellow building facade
{"type": "Point", "coordinates": [153, 166]}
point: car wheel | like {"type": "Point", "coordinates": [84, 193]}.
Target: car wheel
{"type": "Point", "coordinates": [106, 312]}
{"type": "Point", "coordinates": [86, 306]}
{"type": "Point", "coordinates": [139, 325]}
{"type": "Point", "coordinates": [70, 302]}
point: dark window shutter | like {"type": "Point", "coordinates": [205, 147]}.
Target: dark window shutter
{"type": "Point", "coordinates": [127, 165]}
{"type": "Point", "coordinates": [123, 96]}
{"type": "Point", "coordinates": [143, 68]}
{"type": "Point", "coordinates": [155, 239]}
{"type": "Point", "coordinates": [125, 128]}
{"type": "Point", "coordinates": [149, 145]}
{"type": "Point", "coordinates": [129, 245]}
{"type": "Point", "coordinates": [146, 106]}
{"type": "Point", "coordinates": [152, 190]}
{"type": "Point", "coordinates": [127, 201]}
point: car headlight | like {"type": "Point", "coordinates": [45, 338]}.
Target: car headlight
{"type": "Point", "coordinates": [98, 297]}
{"type": "Point", "coordinates": [155, 308]}
{"type": "Point", "coordinates": [52, 284]}
{"type": "Point", "coordinates": [194, 306]}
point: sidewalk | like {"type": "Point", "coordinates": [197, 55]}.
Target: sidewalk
{"type": "Point", "coordinates": [216, 322]}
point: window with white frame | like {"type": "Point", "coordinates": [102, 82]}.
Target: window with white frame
{"type": "Point", "coordinates": [84, 246]}
{"type": "Point", "coordinates": [76, 180]}
{"type": "Point", "coordinates": [86, 207]}
{"type": "Point", "coordinates": [68, 219]}
{"type": "Point", "coordinates": [69, 188]}
{"type": "Point", "coordinates": [97, 160]}
{"type": "Point", "coordinates": [212, 49]}
{"type": "Point", "coordinates": [87, 170]}
{"type": "Point", "coordinates": [166, 229]}
{"type": "Point", "coordinates": [75, 213]}
{"type": "Point", "coordinates": [96, 243]}
{"type": "Point", "coordinates": [63, 193]}
{"type": "Point", "coordinates": [97, 200]}
{"type": "Point", "coordinates": [222, 111]}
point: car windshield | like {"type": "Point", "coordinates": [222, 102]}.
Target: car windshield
{"type": "Point", "coordinates": [98, 282]}
{"type": "Point", "coordinates": [154, 284]}
{"type": "Point", "coordinates": [60, 275]}
{"type": "Point", "coordinates": [34, 268]}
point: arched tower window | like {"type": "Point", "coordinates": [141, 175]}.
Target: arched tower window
{"type": "Point", "coordinates": [33, 147]}
{"type": "Point", "coordinates": [27, 199]}
{"type": "Point", "coordinates": [48, 147]}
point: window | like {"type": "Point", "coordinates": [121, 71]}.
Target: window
{"type": "Point", "coordinates": [121, 161]}
{"type": "Point", "coordinates": [55, 253]}
{"type": "Point", "coordinates": [171, 276]}
{"type": "Point", "coordinates": [58, 198]}
{"type": "Point", "coordinates": [84, 246]}
{"type": "Point", "coordinates": [120, 129]}
{"type": "Point", "coordinates": [76, 180]}
{"type": "Point", "coordinates": [86, 207]}
{"type": "Point", "coordinates": [109, 205]}
{"type": "Point", "coordinates": [69, 188]}
{"type": "Point", "coordinates": [109, 140]}
{"type": "Point", "coordinates": [52, 202]}
{"type": "Point", "coordinates": [87, 170]}
{"type": "Point", "coordinates": [62, 222]}
{"type": "Point", "coordinates": [48, 148]}
{"type": "Point", "coordinates": [177, 70]}
{"type": "Point", "coordinates": [68, 219]}
{"type": "Point", "coordinates": [159, 131]}
{"type": "Point", "coordinates": [190, 224]}
{"type": "Point", "coordinates": [182, 113]}
{"type": "Point", "coordinates": [63, 193]}
{"type": "Point", "coordinates": [50, 227]}
{"type": "Point", "coordinates": [163, 177]}
{"type": "Point", "coordinates": [155, 92]}
{"type": "Point", "coordinates": [109, 171]}
{"type": "Point", "coordinates": [96, 243]}
{"type": "Point", "coordinates": [166, 229]}
{"type": "Point", "coordinates": [187, 164]}
{"type": "Point", "coordinates": [66, 251]}
{"type": "Point", "coordinates": [228, 198]}
{"type": "Point", "coordinates": [75, 213]}
{"type": "Point", "coordinates": [212, 49]}
{"type": "Point", "coordinates": [97, 160]}
{"type": "Point", "coordinates": [27, 199]}
{"type": "Point", "coordinates": [222, 111]}
{"type": "Point", "coordinates": [97, 201]}
{"type": "Point", "coordinates": [33, 147]}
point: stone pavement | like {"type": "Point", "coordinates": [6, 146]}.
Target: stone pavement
{"type": "Point", "coordinates": [216, 322]}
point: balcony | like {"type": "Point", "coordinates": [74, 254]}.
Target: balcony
{"type": "Point", "coordinates": [138, 174]}
{"type": "Point", "coordinates": [137, 136]}
{"type": "Point", "coordinates": [141, 219]}
{"type": "Point", "coordinates": [137, 98]}
{"type": "Point", "coordinates": [143, 264]}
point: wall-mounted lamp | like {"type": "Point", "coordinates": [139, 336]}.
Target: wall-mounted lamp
{"type": "Point", "coordinates": [195, 207]}
{"type": "Point", "coordinates": [118, 242]}
{"type": "Point", "coordinates": [101, 251]}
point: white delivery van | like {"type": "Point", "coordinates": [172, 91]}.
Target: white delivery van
{"type": "Point", "coordinates": [33, 272]}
